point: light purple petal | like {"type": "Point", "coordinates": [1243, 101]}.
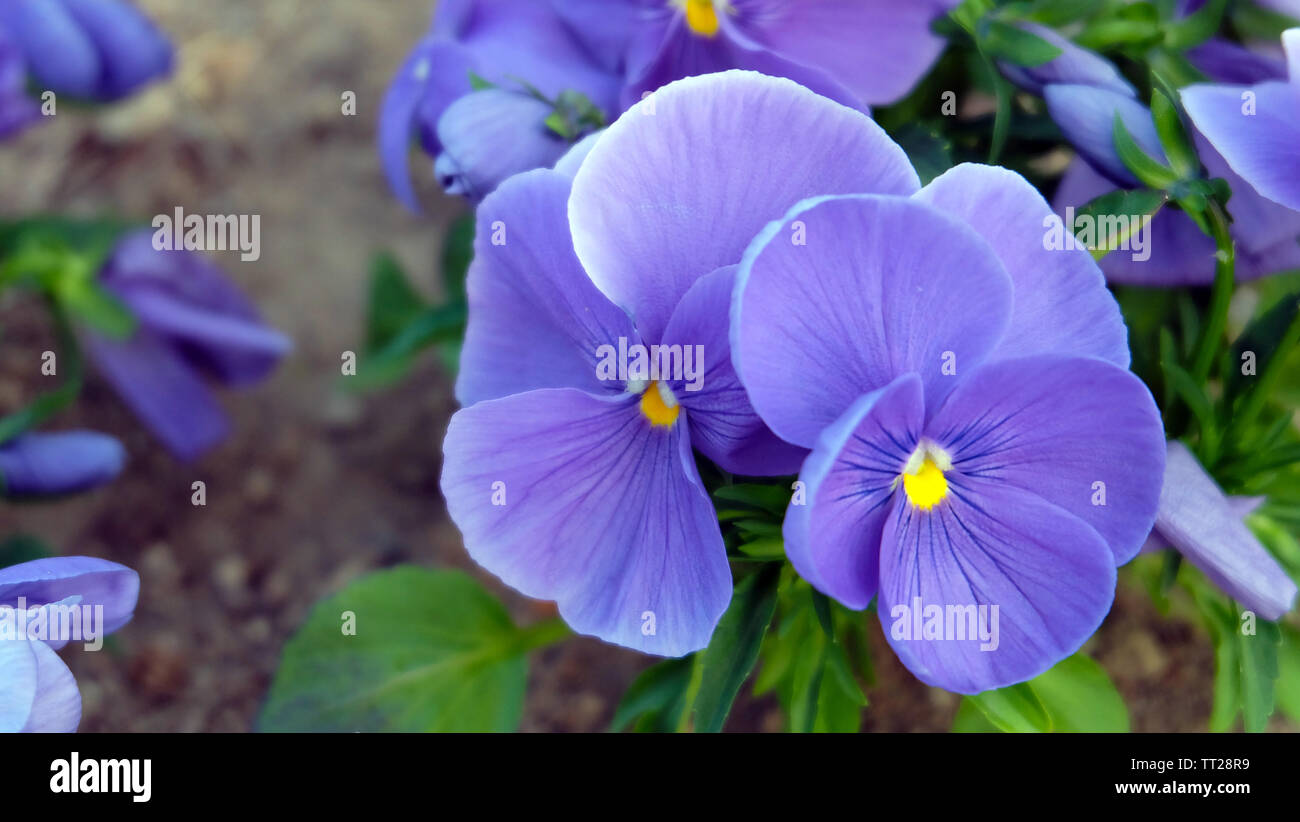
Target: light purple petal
{"type": "Point", "coordinates": [18, 677]}
{"type": "Point", "coordinates": [724, 425]}
{"type": "Point", "coordinates": [992, 544]}
{"type": "Point", "coordinates": [878, 48]}
{"type": "Point", "coordinates": [65, 462]}
{"type": "Point", "coordinates": [17, 109]}
{"type": "Point", "coordinates": [1074, 66]}
{"type": "Point", "coordinates": [90, 580]}
{"type": "Point", "coordinates": [1080, 433]}
{"type": "Point", "coordinates": [661, 200]}
{"type": "Point", "coordinates": [1260, 146]}
{"type": "Point", "coordinates": [162, 390]}
{"type": "Point", "coordinates": [535, 319]}
{"type": "Point", "coordinates": [1197, 519]}
{"type": "Point", "coordinates": [59, 53]}
{"type": "Point", "coordinates": [57, 706]}
{"type": "Point", "coordinates": [602, 513]}
{"type": "Point", "coordinates": [1086, 114]}
{"type": "Point", "coordinates": [847, 293]}
{"type": "Point", "coordinates": [489, 135]}
{"type": "Point", "coordinates": [850, 488]}
{"type": "Point", "coordinates": [1226, 62]}
{"type": "Point", "coordinates": [1061, 303]}
{"type": "Point", "coordinates": [132, 50]}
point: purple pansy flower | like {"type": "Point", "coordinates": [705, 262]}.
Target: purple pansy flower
{"type": "Point", "coordinates": [977, 438]}
{"type": "Point", "coordinates": [577, 485]}
{"type": "Point", "coordinates": [191, 322]}
{"type": "Point", "coordinates": [1206, 527]}
{"type": "Point", "coordinates": [1075, 65]}
{"type": "Point", "coordinates": [17, 108]}
{"type": "Point", "coordinates": [509, 43]}
{"type": "Point", "coordinates": [90, 49]}
{"type": "Point", "coordinates": [64, 462]}
{"type": "Point", "coordinates": [1256, 128]}
{"type": "Point", "coordinates": [37, 691]}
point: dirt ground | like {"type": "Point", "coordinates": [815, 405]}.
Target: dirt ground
{"type": "Point", "coordinates": [318, 487]}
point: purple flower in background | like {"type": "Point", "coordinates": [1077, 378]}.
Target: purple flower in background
{"type": "Point", "coordinates": [38, 693]}
{"type": "Point", "coordinates": [1075, 65]}
{"type": "Point", "coordinates": [1256, 128]}
{"type": "Point", "coordinates": [191, 322]}
{"type": "Point", "coordinates": [17, 109]}
{"type": "Point", "coordinates": [486, 137]}
{"type": "Point", "coordinates": [64, 462]}
{"type": "Point", "coordinates": [1206, 527]}
{"type": "Point", "coordinates": [854, 51]}
{"type": "Point", "coordinates": [90, 49]}
{"type": "Point", "coordinates": [977, 438]}
{"type": "Point", "coordinates": [575, 484]}
{"type": "Point", "coordinates": [1181, 254]}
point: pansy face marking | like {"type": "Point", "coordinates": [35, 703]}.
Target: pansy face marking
{"type": "Point", "coordinates": [659, 405]}
{"type": "Point", "coordinates": [701, 16]}
{"type": "Point", "coordinates": [923, 476]}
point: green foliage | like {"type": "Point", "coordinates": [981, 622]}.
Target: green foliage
{"type": "Point", "coordinates": [1075, 696]}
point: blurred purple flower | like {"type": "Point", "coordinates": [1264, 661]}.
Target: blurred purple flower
{"type": "Point", "coordinates": [582, 488]}
{"type": "Point", "coordinates": [1256, 128]}
{"type": "Point", "coordinates": [192, 322]}
{"type": "Point", "coordinates": [38, 693]}
{"type": "Point", "coordinates": [1206, 527]}
{"type": "Point", "coordinates": [89, 49]}
{"type": "Point", "coordinates": [1074, 66]}
{"type": "Point", "coordinates": [64, 462]}
{"type": "Point", "coordinates": [17, 108]}
{"type": "Point", "coordinates": [977, 438]}
{"type": "Point", "coordinates": [507, 43]}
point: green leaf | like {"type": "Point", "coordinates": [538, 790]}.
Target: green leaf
{"type": "Point", "coordinates": [441, 324]}
{"type": "Point", "coordinates": [1288, 680]}
{"type": "Point", "coordinates": [457, 254]}
{"type": "Point", "coordinates": [1148, 170]}
{"type": "Point", "coordinates": [86, 301]}
{"type": "Point", "coordinates": [773, 499]}
{"type": "Point", "coordinates": [928, 149]}
{"type": "Point", "coordinates": [1079, 697]}
{"type": "Point", "coordinates": [432, 651]}
{"type": "Point", "coordinates": [1015, 709]}
{"type": "Point", "coordinates": [1173, 133]}
{"type": "Point", "coordinates": [1112, 215]}
{"type": "Point", "coordinates": [655, 699]}
{"type": "Point", "coordinates": [1259, 671]}
{"type": "Point", "coordinates": [764, 548]}
{"type": "Point", "coordinates": [1006, 41]}
{"type": "Point", "coordinates": [1196, 28]}
{"type": "Point", "coordinates": [393, 302]}
{"type": "Point", "coordinates": [21, 548]}
{"type": "Point", "coordinates": [734, 648]}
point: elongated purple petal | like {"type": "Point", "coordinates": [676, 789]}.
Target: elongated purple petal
{"type": "Point", "coordinates": [1074, 66]}
{"type": "Point", "coordinates": [723, 423]}
{"type": "Point", "coordinates": [535, 319]}
{"type": "Point", "coordinates": [595, 509]}
{"type": "Point", "coordinates": [1080, 433]}
{"type": "Point", "coordinates": [1226, 62]}
{"type": "Point", "coordinates": [162, 390]}
{"type": "Point", "coordinates": [40, 464]}
{"type": "Point", "coordinates": [878, 48]}
{"type": "Point", "coordinates": [847, 293]}
{"type": "Point", "coordinates": [1087, 116]}
{"type": "Point", "coordinates": [1258, 138]}
{"type": "Point", "coordinates": [1207, 528]}
{"type": "Point", "coordinates": [18, 678]}
{"type": "Point", "coordinates": [990, 544]}
{"type": "Point", "coordinates": [661, 201]}
{"type": "Point", "coordinates": [489, 135]}
{"type": "Point", "coordinates": [59, 53]}
{"type": "Point", "coordinates": [132, 50]}
{"type": "Point", "coordinates": [92, 581]}
{"type": "Point", "coordinates": [56, 708]}
{"type": "Point", "coordinates": [1061, 303]}
{"type": "Point", "coordinates": [849, 483]}
{"type": "Point", "coordinates": [17, 109]}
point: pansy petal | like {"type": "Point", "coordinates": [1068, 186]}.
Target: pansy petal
{"type": "Point", "coordinates": [132, 49]}
{"type": "Point", "coordinates": [1226, 62]}
{"type": "Point", "coordinates": [1259, 141]}
{"type": "Point", "coordinates": [91, 581]}
{"type": "Point", "coordinates": [850, 488]}
{"type": "Point", "coordinates": [572, 160]}
{"type": "Point", "coordinates": [491, 134]}
{"type": "Point", "coordinates": [535, 319]}
{"type": "Point", "coordinates": [18, 677]}
{"type": "Point", "coordinates": [1082, 434]}
{"type": "Point", "coordinates": [595, 509]}
{"type": "Point", "coordinates": [42, 463]}
{"type": "Point", "coordinates": [1206, 528]}
{"type": "Point", "coordinates": [660, 201]}
{"type": "Point", "coordinates": [891, 48]}
{"type": "Point", "coordinates": [724, 425]}
{"type": "Point", "coordinates": [162, 390]}
{"type": "Point", "coordinates": [59, 54]}
{"type": "Point", "coordinates": [1061, 303]}
{"type": "Point", "coordinates": [1075, 65]}
{"type": "Point", "coordinates": [1086, 114]}
{"type": "Point", "coordinates": [847, 293]}
{"type": "Point", "coordinates": [57, 706]}
{"type": "Point", "coordinates": [989, 544]}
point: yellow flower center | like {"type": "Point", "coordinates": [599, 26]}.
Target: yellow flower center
{"type": "Point", "coordinates": [659, 410]}
{"type": "Point", "coordinates": [926, 486]}
{"type": "Point", "coordinates": [701, 17]}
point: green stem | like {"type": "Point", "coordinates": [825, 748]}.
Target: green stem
{"type": "Point", "coordinates": [1225, 273]}
{"type": "Point", "coordinates": [1272, 372]}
